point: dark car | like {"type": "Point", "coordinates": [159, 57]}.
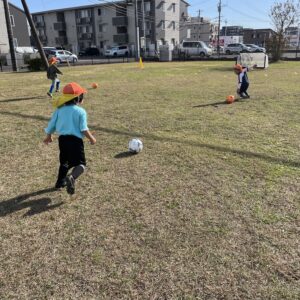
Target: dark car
{"type": "Point", "coordinates": [90, 52]}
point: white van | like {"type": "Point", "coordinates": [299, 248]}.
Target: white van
{"type": "Point", "coordinates": [195, 48]}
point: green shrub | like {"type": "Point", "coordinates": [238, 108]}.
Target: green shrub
{"type": "Point", "coordinates": [36, 64]}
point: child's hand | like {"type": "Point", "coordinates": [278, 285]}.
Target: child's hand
{"type": "Point", "coordinates": [92, 140]}
{"type": "Point", "coordinates": [48, 139]}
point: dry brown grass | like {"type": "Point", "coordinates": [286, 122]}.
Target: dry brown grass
{"type": "Point", "coordinates": [209, 209]}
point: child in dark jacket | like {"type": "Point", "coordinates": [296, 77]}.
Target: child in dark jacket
{"type": "Point", "coordinates": [69, 121]}
{"type": "Point", "coordinates": [52, 72]}
{"type": "Point", "coordinates": [243, 81]}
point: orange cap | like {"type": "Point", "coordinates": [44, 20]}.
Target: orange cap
{"type": "Point", "coordinates": [238, 67]}
{"type": "Point", "coordinates": [74, 89]}
{"type": "Point", "coordinates": [70, 91]}
{"type": "Point", "coordinates": [52, 60]}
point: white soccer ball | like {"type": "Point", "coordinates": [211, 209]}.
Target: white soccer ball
{"type": "Point", "coordinates": [135, 146]}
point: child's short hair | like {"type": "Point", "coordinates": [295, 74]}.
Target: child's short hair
{"type": "Point", "coordinates": [75, 100]}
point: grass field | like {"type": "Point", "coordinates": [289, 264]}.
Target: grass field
{"type": "Point", "coordinates": [208, 210]}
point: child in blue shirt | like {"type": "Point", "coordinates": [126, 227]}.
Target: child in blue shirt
{"type": "Point", "coordinates": [69, 120]}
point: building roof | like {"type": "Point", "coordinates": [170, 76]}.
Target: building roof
{"type": "Point", "coordinates": [87, 6]}
{"type": "Point", "coordinates": [16, 7]}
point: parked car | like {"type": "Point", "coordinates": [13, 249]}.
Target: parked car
{"type": "Point", "coordinates": [48, 50]}
{"type": "Point", "coordinates": [236, 48]}
{"type": "Point", "coordinates": [255, 48]}
{"type": "Point", "coordinates": [195, 48]}
{"type": "Point", "coordinates": [92, 51]}
{"type": "Point", "coordinates": [63, 56]}
{"type": "Point", "coordinates": [117, 51]}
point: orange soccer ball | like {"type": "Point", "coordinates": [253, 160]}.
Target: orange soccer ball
{"type": "Point", "coordinates": [94, 85]}
{"type": "Point", "coordinates": [230, 99]}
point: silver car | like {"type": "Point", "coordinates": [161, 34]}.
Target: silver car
{"type": "Point", "coordinates": [117, 51]}
{"type": "Point", "coordinates": [255, 48]}
{"type": "Point", "coordinates": [236, 48]}
{"type": "Point", "coordinates": [63, 56]}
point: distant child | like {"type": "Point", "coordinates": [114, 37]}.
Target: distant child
{"type": "Point", "coordinates": [52, 72]}
{"type": "Point", "coordinates": [69, 120]}
{"type": "Point", "coordinates": [243, 81]}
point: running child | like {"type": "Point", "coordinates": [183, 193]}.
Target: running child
{"type": "Point", "coordinates": [69, 121]}
{"type": "Point", "coordinates": [52, 72]}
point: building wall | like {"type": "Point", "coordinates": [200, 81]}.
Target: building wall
{"type": "Point", "coordinates": [257, 36]}
{"type": "Point", "coordinates": [115, 24]}
{"type": "Point", "coordinates": [183, 17]}
{"type": "Point", "coordinates": [4, 45]}
{"type": "Point", "coordinates": [20, 28]}
{"type": "Point", "coordinates": [202, 30]}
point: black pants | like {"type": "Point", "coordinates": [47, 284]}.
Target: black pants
{"type": "Point", "coordinates": [244, 88]}
{"type": "Point", "coordinates": [71, 154]}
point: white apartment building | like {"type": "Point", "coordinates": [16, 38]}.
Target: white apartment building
{"type": "Point", "coordinates": [200, 29]}
{"type": "Point", "coordinates": [103, 25]}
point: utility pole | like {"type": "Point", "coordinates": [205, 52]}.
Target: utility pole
{"type": "Point", "coordinates": [298, 37]}
{"type": "Point", "coordinates": [137, 33]}
{"type": "Point", "coordinates": [219, 24]}
{"type": "Point", "coordinates": [10, 36]}
{"type": "Point", "coordinates": [144, 27]}
{"type": "Point", "coordinates": [33, 30]}
{"type": "Point", "coordinates": [199, 24]}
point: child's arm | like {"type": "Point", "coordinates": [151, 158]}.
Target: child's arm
{"type": "Point", "coordinates": [89, 136]}
{"type": "Point", "coordinates": [58, 71]}
{"type": "Point", "coordinates": [50, 128]}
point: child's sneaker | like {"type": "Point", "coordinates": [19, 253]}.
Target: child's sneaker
{"type": "Point", "coordinates": [60, 184]}
{"type": "Point", "coordinates": [49, 94]}
{"type": "Point", "coordinates": [70, 181]}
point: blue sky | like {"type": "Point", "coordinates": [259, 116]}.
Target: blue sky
{"type": "Point", "coordinates": [248, 13]}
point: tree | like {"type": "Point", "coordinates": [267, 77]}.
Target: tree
{"type": "Point", "coordinates": [283, 15]}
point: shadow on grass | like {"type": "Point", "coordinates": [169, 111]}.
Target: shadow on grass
{"type": "Point", "coordinates": [36, 206]}
{"type": "Point", "coordinates": [216, 104]}
{"type": "Point", "coordinates": [125, 154]}
{"type": "Point", "coordinates": [271, 159]}
{"type": "Point", "coordinates": [21, 99]}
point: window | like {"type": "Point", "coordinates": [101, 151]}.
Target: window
{"type": "Point", "coordinates": [100, 28]}
{"type": "Point", "coordinates": [60, 17]}
{"type": "Point", "coordinates": [174, 9]}
{"type": "Point", "coordinates": [121, 29]}
{"type": "Point", "coordinates": [163, 25]}
{"type": "Point", "coordinates": [173, 25]}
{"type": "Point", "coordinates": [99, 11]}
{"type": "Point", "coordinates": [12, 20]}
{"type": "Point", "coordinates": [147, 6]}
{"type": "Point", "coordinates": [101, 44]}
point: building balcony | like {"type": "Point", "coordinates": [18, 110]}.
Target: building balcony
{"type": "Point", "coordinates": [86, 36]}
{"type": "Point", "coordinates": [120, 21]}
{"type": "Point", "coordinates": [59, 26]}
{"type": "Point", "coordinates": [81, 21]}
{"type": "Point", "coordinates": [62, 40]}
{"type": "Point", "coordinates": [39, 24]}
{"type": "Point", "coordinates": [120, 38]}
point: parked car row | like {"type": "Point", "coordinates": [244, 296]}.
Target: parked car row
{"type": "Point", "coordinates": [240, 48]}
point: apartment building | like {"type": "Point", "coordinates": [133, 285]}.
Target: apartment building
{"type": "Point", "coordinates": [114, 23]}
{"type": "Point", "coordinates": [201, 29]}
{"type": "Point", "coordinates": [292, 35]}
{"type": "Point", "coordinates": [258, 37]}
{"type": "Point", "coordinates": [19, 25]}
